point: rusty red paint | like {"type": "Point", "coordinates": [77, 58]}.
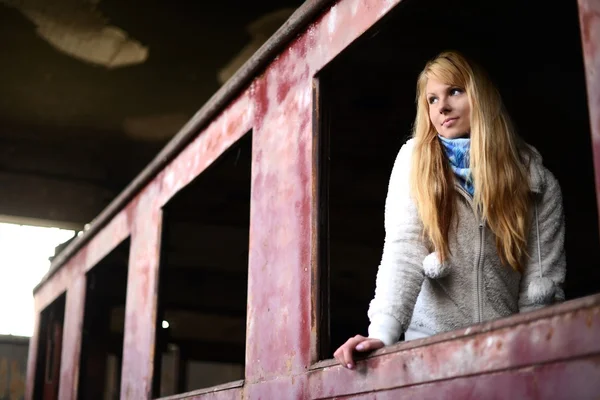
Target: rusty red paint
{"type": "Point", "coordinates": [229, 394]}
{"type": "Point", "coordinates": [230, 126]}
{"type": "Point", "coordinates": [142, 286]}
{"type": "Point", "coordinates": [527, 343]}
{"type": "Point", "coordinates": [589, 17]}
{"type": "Point", "coordinates": [140, 311]}
{"type": "Point", "coordinates": [285, 386]}
{"type": "Point", "coordinates": [106, 240]}
{"type": "Point", "coordinates": [561, 380]}
{"type": "Point", "coordinates": [278, 107]}
{"type": "Point", "coordinates": [98, 247]}
{"type": "Point", "coordinates": [71, 350]}
{"type": "Point", "coordinates": [279, 342]}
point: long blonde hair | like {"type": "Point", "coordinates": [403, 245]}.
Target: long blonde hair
{"type": "Point", "coordinates": [499, 173]}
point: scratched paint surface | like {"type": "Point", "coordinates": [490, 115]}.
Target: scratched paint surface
{"type": "Point", "coordinates": [280, 256]}
{"type": "Point", "coordinates": [277, 106]}
{"type": "Point", "coordinates": [229, 394]}
{"type": "Point", "coordinates": [562, 380]}
{"type": "Point", "coordinates": [589, 17]}
{"type": "Point", "coordinates": [571, 335]}
{"type": "Point", "coordinates": [545, 356]}
{"type": "Point", "coordinates": [146, 221]}
{"type": "Point", "coordinates": [71, 349]}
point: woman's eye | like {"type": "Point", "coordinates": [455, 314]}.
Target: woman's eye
{"type": "Point", "coordinates": [432, 100]}
{"type": "Point", "coordinates": [455, 91]}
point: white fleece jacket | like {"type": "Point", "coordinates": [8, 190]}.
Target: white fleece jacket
{"type": "Point", "coordinates": [413, 291]}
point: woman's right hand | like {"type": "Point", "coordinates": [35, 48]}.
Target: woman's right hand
{"type": "Point", "coordinates": [357, 343]}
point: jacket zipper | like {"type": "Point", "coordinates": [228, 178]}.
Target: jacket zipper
{"type": "Point", "coordinates": [479, 266]}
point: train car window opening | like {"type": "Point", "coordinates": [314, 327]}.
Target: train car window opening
{"type": "Point", "coordinates": [365, 105]}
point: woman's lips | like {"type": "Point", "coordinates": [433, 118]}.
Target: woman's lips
{"type": "Point", "coordinates": [449, 121]}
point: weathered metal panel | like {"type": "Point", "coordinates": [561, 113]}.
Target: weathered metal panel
{"type": "Point", "coordinates": [519, 343]}
{"type": "Point", "coordinates": [45, 296]}
{"type": "Point", "coordinates": [71, 347]}
{"type": "Point", "coordinates": [589, 18]}
{"type": "Point", "coordinates": [219, 101]}
{"type": "Point", "coordinates": [530, 356]}
{"type": "Point", "coordinates": [67, 278]}
{"type": "Point", "coordinates": [230, 394]}
{"type": "Point", "coordinates": [13, 365]}
{"type": "Point", "coordinates": [214, 140]}
{"type": "Point", "coordinates": [96, 249]}
{"type": "Point", "coordinates": [146, 219]}
{"type": "Point", "coordinates": [141, 303]}
{"type": "Point", "coordinates": [106, 240]}
{"type": "Point", "coordinates": [567, 380]}
{"type": "Point", "coordinates": [280, 338]}
{"type": "Point", "coordinates": [227, 391]}
{"type": "Point", "coordinates": [283, 387]}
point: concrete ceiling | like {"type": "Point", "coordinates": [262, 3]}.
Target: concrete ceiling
{"type": "Point", "coordinates": [92, 89]}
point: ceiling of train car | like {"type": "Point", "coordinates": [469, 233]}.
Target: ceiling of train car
{"type": "Point", "coordinates": [90, 90]}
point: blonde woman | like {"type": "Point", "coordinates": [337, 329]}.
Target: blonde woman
{"type": "Point", "coordinates": [474, 222]}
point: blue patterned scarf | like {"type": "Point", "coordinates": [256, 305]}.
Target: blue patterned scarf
{"type": "Point", "coordinates": [457, 151]}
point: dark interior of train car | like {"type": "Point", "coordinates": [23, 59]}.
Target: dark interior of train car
{"type": "Point", "coordinates": [104, 326]}
{"type": "Point", "coordinates": [531, 50]}
{"type": "Point", "coordinates": [47, 377]}
{"type": "Point", "coordinates": [201, 326]}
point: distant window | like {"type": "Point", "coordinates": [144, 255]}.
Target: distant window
{"type": "Point", "coordinates": [202, 299]}
{"type": "Point", "coordinates": [104, 326]}
{"type": "Point", "coordinates": [47, 365]}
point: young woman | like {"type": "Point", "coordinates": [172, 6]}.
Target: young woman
{"type": "Point", "coordinates": [474, 222]}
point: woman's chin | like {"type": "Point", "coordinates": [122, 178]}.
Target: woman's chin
{"type": "Point", "coordinates": [454, 134]}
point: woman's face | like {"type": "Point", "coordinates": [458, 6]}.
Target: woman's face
{"type": "Point", "coordinates": [449, 109]}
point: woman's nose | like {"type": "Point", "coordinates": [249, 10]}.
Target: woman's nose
{"type": "Point", "coordinates": [444, 106]}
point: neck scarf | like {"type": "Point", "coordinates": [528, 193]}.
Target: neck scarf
{"type": "Point", "coordinates": [457, 151]}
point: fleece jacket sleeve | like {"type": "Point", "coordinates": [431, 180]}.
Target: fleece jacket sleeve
{"type": "Point", "coordinates": [400, 273]}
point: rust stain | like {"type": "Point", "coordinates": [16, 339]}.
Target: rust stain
{"type": "Point", "coordinates": [589, 17]}
{"type": "Point", "coordinates": [523, 345]}
{"type": "Point", "coordinates": [549, 334]}
{"type": "Point", "coordinates": [17, 381]}
{"type": "Point", "coordinates": [3, 375]}
{"type": "Point", "coordinates": [589, 20]}
{"type": "Point", "coordinates": [71, 348]}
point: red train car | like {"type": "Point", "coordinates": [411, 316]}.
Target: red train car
{"type": "Point", "coordinates": [235, 263]}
